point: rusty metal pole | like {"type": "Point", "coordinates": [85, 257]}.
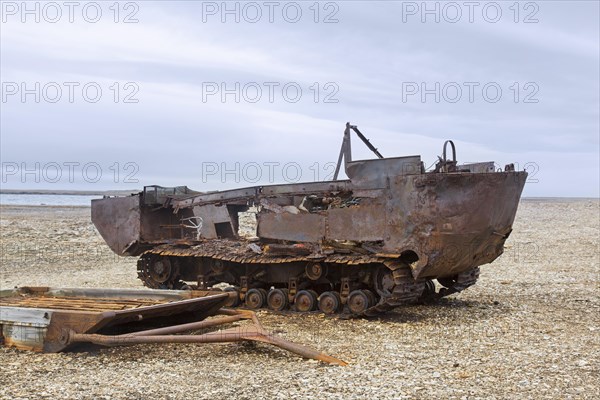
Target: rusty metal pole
{"type": "Point", "coordinates": [231, 335]}
{"type": "Point", "coordinates": [247, 333]}
{"type": "Point", "coordinates": [299, 349]}
{"type": "Point", "coordinates": [169, 330]}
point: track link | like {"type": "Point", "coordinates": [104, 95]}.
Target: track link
{"type": "Point", "coordinates": [405, 291]}
{"type": "Point", "coordinates": [463, 281]}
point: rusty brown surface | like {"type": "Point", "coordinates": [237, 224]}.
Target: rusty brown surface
{"type": "Point", "coordinates": [307, 228]}
{"type": "Point", "coordinates": [36, 318]}
{"type": "Point", "coordinates": [118, 221]}
{"type": "Point", "coordinates": [440, 224]}
{"type": "Point", "coordinates": [451, 221]}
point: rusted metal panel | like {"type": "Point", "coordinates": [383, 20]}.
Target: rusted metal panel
{"type": "Point", "coordinates": [118, 221]}
{"type": "Point", "coordinates": [295, 227]}
{"type": "Point", "coordinates": [303, 189]}
{"type": "Point", "coordinates": [375, 174]}
{"type": "Point", "coordinates": [361, 223]}
{"type": "Point", "coordinates": [211, 214]}
{"type": "Point", "coordinates": [36, 318]}
{"type": "Point", "coordinates": [27, 327]}
{"type": "Point", "coordinates": [479, 168]}
{"type": "Point", "coordinates": [454, 221]}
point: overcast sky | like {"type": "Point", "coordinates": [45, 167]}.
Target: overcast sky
{"type": "Point", "coordinates": [216, 95]}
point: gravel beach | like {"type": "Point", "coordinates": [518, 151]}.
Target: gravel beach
{"type": "Point", "coordinates": [529, 329]}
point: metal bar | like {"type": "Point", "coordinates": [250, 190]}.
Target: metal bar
{"type": "Point", "coordinates": [229, 335]}
{"type": "Point", "coordinates": [453, 150]}
{"type": "Point", "coordinates": [169, 330]}
{"type": "Point", "coordinates": [258, 191]}
{"type": "Point", "coordinates": [299, 349]}
{"type": "Point", "coordinates": [342, 153]}
{"type": "Point", "coordinates": [247, 333]}
{"type": "Point", "coordinates": [366, 141]}
{"type": "Point", "coordinates": [246, 314]}
{"type": "Point", "coordinates": [258, 325]}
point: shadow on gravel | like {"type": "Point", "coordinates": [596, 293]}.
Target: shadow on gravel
{"type": "Point", "coordinates": [451, 311]}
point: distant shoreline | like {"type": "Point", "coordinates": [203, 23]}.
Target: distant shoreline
{"type": "Point", "coordinates": [560, 199]}
{"type": "Point", "coordinates": [70, 192]}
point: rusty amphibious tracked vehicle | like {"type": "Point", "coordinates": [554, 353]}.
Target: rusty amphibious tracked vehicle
{"type": "Point", "coordinates": [370, 243]}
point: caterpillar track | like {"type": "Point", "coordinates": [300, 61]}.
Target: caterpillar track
{"type": "Point", "coordinates": [390, 282]}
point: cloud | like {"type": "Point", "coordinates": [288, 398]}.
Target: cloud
{"type": "Point", "coordinates": [364, 63]}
